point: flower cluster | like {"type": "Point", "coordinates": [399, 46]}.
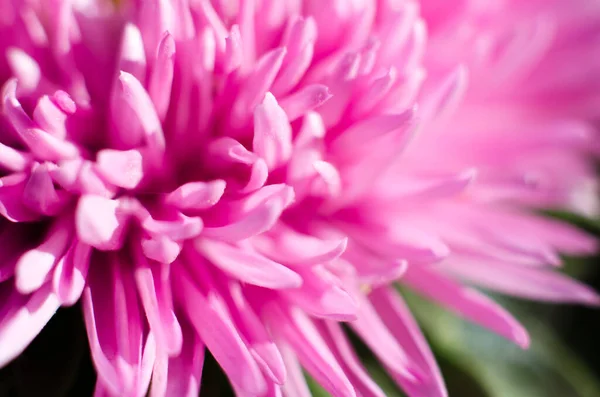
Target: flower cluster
{"type": "Point", "coordinates": [245, 176]}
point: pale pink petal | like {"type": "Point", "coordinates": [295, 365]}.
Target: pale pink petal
{"type": "Point", "coordinates": [248, 266]}
{"type": "Point", "coordinates": [396, 315]}
{"type": "Point", "coordinates": [221, 337]}
{"type": "Point", "coordinates": [301, 334]}
{"type": "Point", "coordinates": [467, 302]}
{"type": "Point", "coordinates": [23, 319]}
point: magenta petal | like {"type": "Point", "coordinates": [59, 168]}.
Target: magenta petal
{"type": "Point", "coordinates": [185, 370]}
{"type": "Point", "coordinates": [379, 338]}
{"type": "Point", "coordinates": [290, 247]}
{"type": "Point", "coordinates": [34, 266]}
{"type": "Point", "coordinates": [40, 195]}
{"type": "Point", "coordinates": [121, 168]}
{"type": "Point", "coordinates": [272, 132]}
{"type": "Point", "coordinates": [41, 143]}
{"type": "Point", "coordinates": [262, 347]}
{"type": "Point", "coordinates": [21, 322]}
{"type": "Point", "coordinates": [396, 315]}
{"type": "Point", "coordinates": [101, 222]}
{"type": "Point", "coordinates": [248, 266]}
{"type": "Point", "coordinates": [305, 100]}
{"type": "Point", "coordinates": [161, 80]}
{"type": "Point", "coordinates": [135, 119]}
{"type": "Point", "coordinates": [197, 195]}
{"type": "Point", "coordinates": [255, 221]}
{"type": "Point", "coordinates": [12, 207]}
{"type": "Point", "coordinates": [154, 289]}
{"type": "Point", "coordinates": [71, 272]}
{"type": "Point", "coordinates": [360, 378]}
{"type": "Point", "coordinates": [322, 295]}
{"type": "Point", "coordinates": [221, 337]}
{"type": "Point", "coordinates": [117, 350]}
{"type": "Point", "coordinates": [469, 303]}
{"type": "Point", "coordinates": [295, 385]}
{"type": "Point", "coordinates": [522, 281]}
{"type": "Point", "coordinates": [300, 332]}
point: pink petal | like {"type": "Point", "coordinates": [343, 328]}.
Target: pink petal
{"type": "Point", "coordinates": [221, 337]}
{"type": "Point", "coordinates": [34, 266]}
{"type": "Point", "coordinates": [132, 57]}
{"type": "Point", "coordinates": [256, 221]}
{"type": "Point", "coordinates": [121, 168]}
{"type": "Point", "coordinates": [344, 351]}
{"type": "Point", "coordinates": [71, 272]}
{"type": "Point", "coordinates": [262, 347]}
{"type": "Point", "coordinates": [22, 323]}
{"type": "Point", "coordinates": [300, 44]}
{"type": "Point", "coordinates": [40, 194]}
{"type": "Point", "coordinates": [114, 325]}
{"type": "Point", "coordinates": [272, 133]}
{"type": "Point", "coordinates": [322, 295]}
{"type": "Point", "coordinates": [248, 266]}
{"type": "Point", "coordinates": [50, 117]}
{"type": "Point", "coordinates": [185, 370]}
{"type": "Point", "coordinates": [44, 145]}
{"type": "Point", "coordinates": [379, 338]}
{"type": "Point", "coordinates": [180, 228]}
{"type": "Point", "coordinates": [289, 247]}
{"type": "Point", "coordinates": [12, 206]}
{"type": "Point", "coordinates": [154, 289]}
{"type": "Point", "coordinates": [13, 160]}
{"type": "Point", "coordinates": [197, 195]}
{"type": "Point", "coordinates": [300, 333]}
{"type": "Point", "coordinates": [161, 249]}
{"type": "Point", "coordinates": [398, 319]}
{"type": "Point", "coordinates": [295, 385]}
{"type": "Point", "coordinates": [304, 100]}
{"type": "Point", "coordinates": [161, 79]}
{"type": "Point", "coordinates": [258, 83]}
{"type": "Point", "coordinates": [522, 281]}
{"type": "Point", "coordinates": [101, 222]}
{"type": "Point", "coordinates": [233, 50]}
{"type": "Point", "coordinates": [135, 120]}
{"type": "Point", "coordinates": [352, 140]}
{"type": "Point", "coordinates": [466, 302]}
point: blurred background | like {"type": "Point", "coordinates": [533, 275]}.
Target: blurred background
{"type": "Point", "coordinates": [563, 360]}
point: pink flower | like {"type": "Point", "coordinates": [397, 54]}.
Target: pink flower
{"type": "Point", "coordinates": [244, 176]}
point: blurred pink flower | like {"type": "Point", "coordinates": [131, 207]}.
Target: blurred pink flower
{"type": "Point", "coordinates": [244, 176]}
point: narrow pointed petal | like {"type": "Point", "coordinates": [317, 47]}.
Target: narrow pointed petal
{"type": "Point", "coordinates": [221, 337]}
{"type": "Point", "coordinates": [248, 266]}
{"type": "Point", "coordinates": [154, 289]}
{"type": "Point", "coordinates": [71, 272]}
{"type": "Point", "coordinates": [272, 133]}
{"type": "Point", "coordinates": [466, 302]}
{"type": "Point", "coordinates": [301, 102]}
{"type": "Point", "coordinates": [321, 295]}
{"type": "Point", "coordinates": [398, 319]}
{"type": "Point", "coordinates": [24, 321]}
{"type": "Point", "coordinates": [161, 80]}
{"type": "Point", "coordinates": [300, 333]}
{"type": "Point", "coordinates": [290, 247]}
{"type": "Point", "coordinates": [379, 338]}
{"type": "Point", "coordinates": [360, 378]}
{"type": "Point", "coordinates": [34, 266]}
{"type": "Point", "coordinates": [197, 195]}
{"type": "Point", "coordinates": [522, 281]}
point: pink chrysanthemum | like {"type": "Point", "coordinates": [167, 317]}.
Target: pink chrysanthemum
{"type": "Point", "coordinates": [243, 176]}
